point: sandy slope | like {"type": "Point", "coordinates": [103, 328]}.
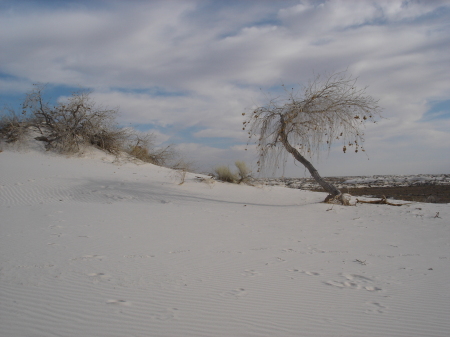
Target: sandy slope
{"type": "Point", "coordinates": [91, 248]}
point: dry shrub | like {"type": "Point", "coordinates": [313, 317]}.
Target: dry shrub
{"type": "Point", "coordinates": [142, 147]}
{"type": "Point", "coordinates": [224, 173]}
{"type": "Point", "coordinates": [65, 127]}
{"type": "Point", "coordinates": [140, 153]}
{"type": "Point", "coordinates": [70, 125]}
{"type": "Point", "coordinates": [241, 176]}
{"type": "Point", "coordinates": [243, 171]}
{"type": "Point", "coordinates": [13, 127]}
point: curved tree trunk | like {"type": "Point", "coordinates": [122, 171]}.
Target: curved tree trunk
{"type": "Point", "coordinates": [289, 148]}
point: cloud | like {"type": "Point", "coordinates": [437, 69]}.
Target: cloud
{"type": "Point", "coordinates": [188, 69]}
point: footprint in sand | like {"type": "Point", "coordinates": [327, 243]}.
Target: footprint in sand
{"type": "Point", "coordinates": [375, 307]}
{"type": "Point", "coordinates": [250, 273]}
{"type": "Point", "coordinates": [58, 235]}
{"type": "Point", "coordinates": [236, 293]}
{"type": "Point", "coordinates": [119, 302]}
{"type": "Point", "coordinates": [164, 315]}
{"type": "Point", "coordinates": [89, 257]}
{"type": "Point", "coordinates": [310, 273]}
{"type": "Point", "coordinates": [55, 226]}
{"type": "Point", "coordinates": [179, 251]}
{"type": "Point", "coordinates": [98, 277]}
{"type": "Point", "coordinates": [138, 256]}
{"type": "Point", "coordinates": [353, 281]}
{"type": "Point", "coordinates": [275, 260]}
{"type": "Point", "coordinates": [96, 274]}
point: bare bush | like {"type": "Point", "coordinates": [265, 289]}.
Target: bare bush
{"type": "Point", "coordinates": [13, 127]}
{"type": "Point", "coordinates": [142, 147]}
{"type": "Point", "coordinates": [68, 126]}
{"type": "Point", "coordinates": [301, 124]}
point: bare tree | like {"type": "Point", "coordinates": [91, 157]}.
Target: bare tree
{"type": "Point", "coordinates": [302, 124]}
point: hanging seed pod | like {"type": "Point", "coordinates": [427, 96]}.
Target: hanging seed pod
{"type": "Point", "coordinates": [344, 148]}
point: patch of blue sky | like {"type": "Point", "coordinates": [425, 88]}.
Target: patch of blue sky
{"type": "Point", "coordinates": [5, 76]}
{"type": "Point", "coordinates": [53, 4]}
{"type": "Point", "coordinates": [218, 142]}
{"type": "Point", "coordinates": [209, 11]}
{"type": "Point", "coordinates": [153, 91]}
{"type": "Point", "coordinates": [51, 94]}
{"type": "Point", "coordinates": [150, 127]}
{"type": "Point", "coordinates": [283, 90]}
{"type": "Point", "coordinates": [178, 135]}
{"type": "Point", "coordinates": [11, 101]}
{"type": "Point", "coordinates": [438, 111]}
{"type": "Point", "coordinates": [440, 13]}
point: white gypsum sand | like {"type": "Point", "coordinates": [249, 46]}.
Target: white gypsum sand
{"type": "Point", "coordinates": [93, 248]}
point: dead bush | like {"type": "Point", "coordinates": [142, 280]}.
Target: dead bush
{"type": "Point", "coordinates": [76, 122]}
{"type": "Point", "coordinates": [142, 147]}
{"type": "Point", "coordinates": [70, 125]}
{"type": "Point", "coordinates": [13, 127]}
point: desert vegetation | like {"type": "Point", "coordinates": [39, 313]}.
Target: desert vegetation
{"type": "Point", "coordinates": [303, 123]}
{"type": "Point", "coordinates": [242, 174]}
{"type": "Point", "coordinates": [70, 125]}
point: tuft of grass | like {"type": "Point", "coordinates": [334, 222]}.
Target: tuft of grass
{"type": "Point", "coordinates": [243, 171]}
{"type": "Point", "coordinates": [242, 175]}
{"type": "Point", "coordinates": [224, 173]}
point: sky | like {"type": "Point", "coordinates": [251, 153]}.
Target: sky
{"type": "Point", "coordinates": [187, 70]}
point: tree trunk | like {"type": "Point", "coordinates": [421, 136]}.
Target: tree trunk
{"type": "Point", "coordinates": [327, 186]}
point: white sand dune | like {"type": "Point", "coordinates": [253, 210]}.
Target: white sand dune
{"type": "Point", "coordinates": [92, 248]}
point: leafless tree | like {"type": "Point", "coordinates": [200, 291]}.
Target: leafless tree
{"type": "Point", "coordinates": [303, 123]}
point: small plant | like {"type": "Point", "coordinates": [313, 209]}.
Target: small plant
{"type": "Point", "coordinates": [142, 148]}
{"type": "Point", "coordinates": [243, 172]}
{"type": "Point", "coordinates": [224, 173]}
{"type": "Point", "coordinates": [242, 175]}
{"type": "Point", "coordinates": [13, 127]}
